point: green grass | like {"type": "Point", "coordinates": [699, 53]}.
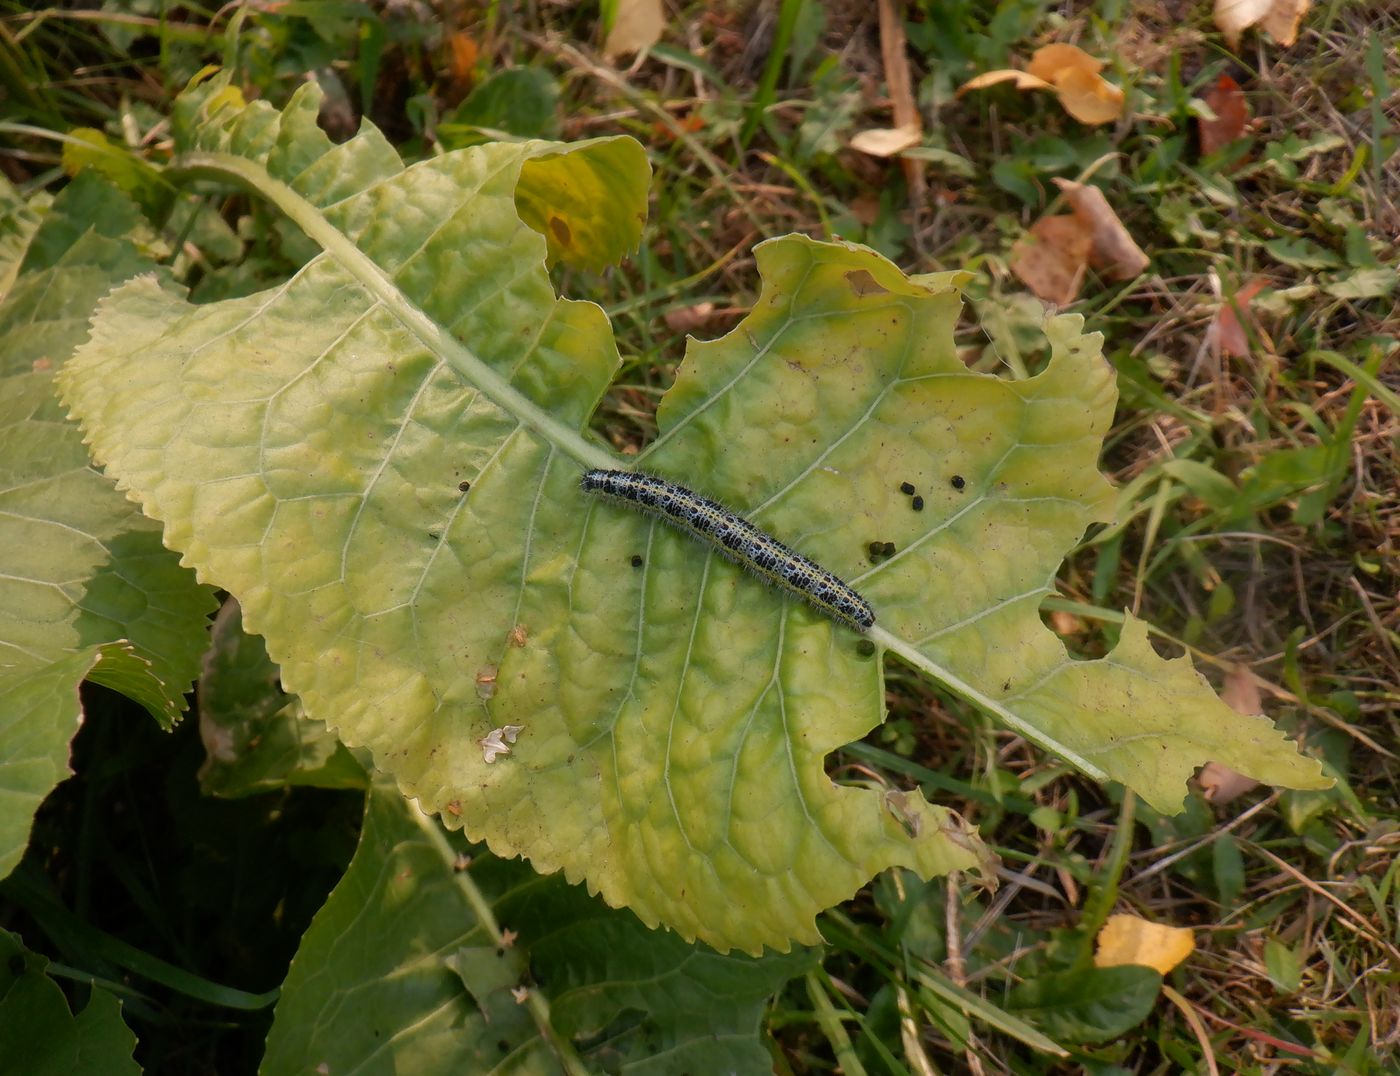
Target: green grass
{"type": "Point", "coordinates": [1258, 523]}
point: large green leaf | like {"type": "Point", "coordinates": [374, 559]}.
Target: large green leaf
{"type": "Point", "coordinates": [40, 1036]}
{"type": "Point", "coordinates": [87, 588]}
{"type": "Point", "coordinates": [304, 448]}
{"type": "Point", "coordinates": [425, 960]}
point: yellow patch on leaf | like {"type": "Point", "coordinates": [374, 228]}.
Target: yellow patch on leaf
{"type": "Point", "coordinates": [1072, 73]}
{"type": "Point", "coordinates": [1126, 939]}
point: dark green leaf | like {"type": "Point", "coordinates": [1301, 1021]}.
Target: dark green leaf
{"type": "Point", "coordinates": [1089, 1005]}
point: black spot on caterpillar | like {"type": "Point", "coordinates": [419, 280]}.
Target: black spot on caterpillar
{"type": "Point", "coordinates": [736, 538]}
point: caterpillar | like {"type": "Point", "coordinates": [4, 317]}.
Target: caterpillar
{"type": "Point", "coordinates": [737, 539]}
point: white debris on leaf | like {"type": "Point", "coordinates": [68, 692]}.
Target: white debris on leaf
{"type": "Point", "coordinates": [498, 741]}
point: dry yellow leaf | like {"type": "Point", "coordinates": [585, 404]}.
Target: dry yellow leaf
{"type": "Point", "coordinates": [1052, 258]}
{"type": "Point", "coordinates": [1051, 61]}
{"type": "Point", "coordinates": [637, 27]}
{"type": "Point", "coordinates": [1114, 253]}
{"type": "Point", "coordinates": [1072, 73]}
{"type": "Point", "coordinates": [1126, 939]}
{"type": "Point", "coordinates": [1088, 97]}
{"type": "Point", "coordinates": [885, 141]}
{"type": "Point", "coordinates": [1279, 18]}
{"type": "Point", "coordinates": [1024, 81]}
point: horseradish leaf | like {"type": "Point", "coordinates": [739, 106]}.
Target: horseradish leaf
{"type": "Point", "coordinates": [87, 590]}
{"type": "Point", "coordinates": [475, 964]}
{"type": "Point", "coordinates": [381, 459]}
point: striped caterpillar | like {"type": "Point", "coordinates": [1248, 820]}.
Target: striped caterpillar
{"type": "Point", "coordinates": [737, 539]}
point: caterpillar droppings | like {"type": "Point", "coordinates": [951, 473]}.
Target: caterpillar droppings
{"type": "Point", "coordinates": [737, 539]}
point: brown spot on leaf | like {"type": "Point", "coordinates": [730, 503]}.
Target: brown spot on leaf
{"type": "Point", "coordinates": [486, 681]}
{"type": "Point", "coordinates": [562, 235]}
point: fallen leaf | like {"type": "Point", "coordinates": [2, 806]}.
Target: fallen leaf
{"type": "Point", "coordinates": [1052, 257]}
{"type": "Point", "coordinates": [1227, 101]}
{"type": "Point", "coordinates": [636, 27]}
{"type": "Point", "coordinates": [1126, 939]}
{"type": "Point", "coordinates": [1072, 73]}
{"type": "Point", "coordinates": [1226, 333]}
{"type": "Point", "coordinates": [464, 56]}
{"type": "Point", "coordinates": [1220, 784]}
{"type": "Point", "coordinates": [1241, 693]}
{"type": "Point", "coordinates": [1023, 79]}
{"type": "Point", "coordinates": [687, 319]}
{"type": "Point", "coordinates": [1278, 18]}
{"type": "Point", "coordinates": [1088, 97]}
{"type": "Point", "coordinates": [885, 141]}
{"type": "Point", "coordinates": [1051, 61]}
{"type": "Point", "coordinates": [1281, 23]}
{"type": "Point", "coordinates": [1065, 623]}
{"type": "Point", "coordinates": [1113, 251]}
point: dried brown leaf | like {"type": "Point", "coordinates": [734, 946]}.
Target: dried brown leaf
{"type": "Point", "coordinates": [1227, 101]}
{"type": "Point", "coordinates": [1052, 258]}
{"type": "Point", "coordinates": [1088, 97]}
{"type": "Point", "coordinates": [1226, 333]}
{"type": "Point", "coordinates": [1281, 23]}
{"type": "Point", "coordinates": [1279, 18]}
{"type": "Point", "coordinates": [1024, 81]}
{"type": "Point", "coordinates": [885, 141]}
{"type": "Point", "coordinates": [689, 319]}
{"type": "Point", "coordinates": [637, 27]}
{"type": "Point", "coordinates": [1113, 252]}
{"type": "Point", "coordinates": [1051, 61]}
{"type": "Point", "coordinates": [1072, 73]}
{"type": "Point", "coordinates": [1241, 693]}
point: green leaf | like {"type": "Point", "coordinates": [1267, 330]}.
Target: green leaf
{"type": "Point", "coordinates": [88, 590]}
{"type": "Point", "coordinates": [256, 736]}
{"type": "Point", "coordinates": [304, 447]}
{"type": "Point", "coordinates": [1228, 869]}
{"type": "Point", "coordinates": [89, 148]}
{"type": "Point", "coordinates": [1088, 1005]}
{"type": "Point", "coordinates": [19, 220]}
{"type": "Point", "coordinates": [1284, 968]}
{"type": "Point", "coordinates": [40, 1036]}
{"type": "Point", "coordinates": [1212, 487]}
{"type": "Point", "coordinates": [1300, 253]}
{"type": "Point", "coordinates": [522, 101]}
{"type": "Point", "coordinates": [417, 964]}
{"type": "Point", "coordinates": [1363, 283]}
